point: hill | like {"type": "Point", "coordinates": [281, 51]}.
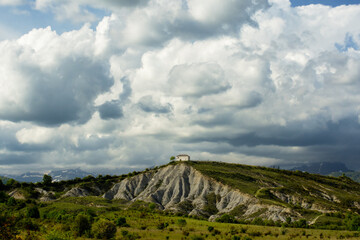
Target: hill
{"type": "Point", "coordinates": [214, 191]}
{"type": "Point", "coordinates": [211, 189]}
{"type": "Point", "coordinates": [57, 175]}
{"type": "Point", "coordinates": [353, 175]}
{"type": "Point", "coordinates": [323, 168]}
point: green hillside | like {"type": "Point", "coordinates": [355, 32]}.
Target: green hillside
{"type": "Point", "coordinates": [331, 193]}
{"type": "Point", "coordinates": [353, 175]}
{"type": "Point", "coordinates": [321, 202]}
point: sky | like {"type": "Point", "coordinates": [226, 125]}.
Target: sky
{"type": "Point", "coordinates": [127, 84]}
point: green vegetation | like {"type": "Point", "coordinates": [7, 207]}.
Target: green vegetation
{"type": "Point", "coordinates": [94, 217]}
{"type": "Point", "coordinates": [353, 175]}
{"type": "Point", "coordinates": [268, 184]}
{"type": "Point", "coordinates": [47, 180]}
{"type": "Point", "coordinates": [68, 218]}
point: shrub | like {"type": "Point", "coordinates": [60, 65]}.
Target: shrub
{"type": "Point", "coordinates": [210, 228]}
{"type": "Point", "coordinates": [2, 186]}
{"type": "Point", "coordinates": [104, 229]}
{"type": "Point", "coordinates": [11, 201]}
{"type": "Point", "coordinates": [124, 233]}
{"type": "Point", "coordinates": [226, 218]}
{"type": "Point", "coordinates": [152, 206]}
{"type": "Point", "coordinates": [255, 234]}
{"type": "Point", "coordinates": [8, 229]}
{"type": "Point", "coordinates": [258, 221]}
{"type": "Point", "coordinates": [301, 223]}
{"type": "Point", "coordinates": [185, 233]}
{"type": "Point", "coordinates": [3, 197]}
{"type": "Point", "coordinates": [31, 236]}
{"type": "Point", "coordinates": [27, 224]}
{"type": "Point", "coordinates": [81, 225]}
{"type": "Point", "coordinates": [181, 222]}
{"type": "Point", "coordinates": [162, 225]}
{"type": "Point", "coordinates": [121, 222]}
{"type": "Point", "coordinates": [33, 212]}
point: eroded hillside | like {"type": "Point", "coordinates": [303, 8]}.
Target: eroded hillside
{"type": "Point", "coordinates": [210, 189]}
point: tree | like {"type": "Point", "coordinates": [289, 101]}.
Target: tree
{"type": "Point", "coordinates": [121, 222]}
{"type": "Point", "coordinates": [33, 212]}
{"type": "Point", "coordinates": [104, 229]}
{"type": "Point", "coordinates": [47, 180]}
{"type": "Point", "coordinates": [2, 186]}
{"type": "Point", "coordinates": [3, 197]}
{"type": "Point", "coordinates": [12, 183]}
{"type": "Point", "coordinates": [181, 222]}
{"type": "Point", "coordinates": [81, 225]}
{"type": "Point", "coordinates": [172, 158]}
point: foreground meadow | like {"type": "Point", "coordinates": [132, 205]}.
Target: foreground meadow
{"type": "Point", "coordinates": [97, 218]}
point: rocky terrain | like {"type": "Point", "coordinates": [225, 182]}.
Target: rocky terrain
{"type": "Point", "coordinates": [182, 188]}
{"type": "Point", "coordinates": [249, 193]}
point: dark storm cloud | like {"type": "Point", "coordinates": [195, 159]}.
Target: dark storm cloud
{"type": "Point", "coordinates": [111, 110]}
{"type": "Point", "coordinates": [337, 141]}
{"type": "Point", "coordinates": [346, 132]}
{"type": "Point", "coordinates": [17, 159]}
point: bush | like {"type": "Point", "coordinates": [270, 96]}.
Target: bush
{"type": "Point", "coordinates": [11, 201]}
{"type": "Point", "coordinates": [226, 218]}
{"type": "Point", "coordinates": [121, 222]}
{"type": "Point", "coordinates": [27, 224]}
{"type": "Point", "coordinates": [181, 222]}
{"type": "Point", "coordinates": [81, 225]}
{"type": "Point", "coordinates": [162, 226]}
{"type": "Point", "coordinates": [2, 186]}
{"type": "Point", "coordinates": [33, 212]}
{"type": "Point", "coordinates": [8, 229]}
{"type": "Point", "coordinates": [3, 197]}
{"type": "Point", "coordinates": [104, 229]}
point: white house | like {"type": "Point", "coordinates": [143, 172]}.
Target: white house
{"type": "Point", "coordinates": [182, 157]}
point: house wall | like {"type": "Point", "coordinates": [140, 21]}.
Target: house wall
{"type": "Point", "coordinates": [182, 158]}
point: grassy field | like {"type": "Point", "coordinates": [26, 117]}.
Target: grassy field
{"type": "Point", "coordinates": [56, 222]}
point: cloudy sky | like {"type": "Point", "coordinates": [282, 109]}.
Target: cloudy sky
{"type": "Point", "coordinates": [128, 83]}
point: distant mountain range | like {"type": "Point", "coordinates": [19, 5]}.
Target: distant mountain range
{"type": "Point", "coordinates": [323, 168]}
{"type": "Point", "coordinates": [57, 175]}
